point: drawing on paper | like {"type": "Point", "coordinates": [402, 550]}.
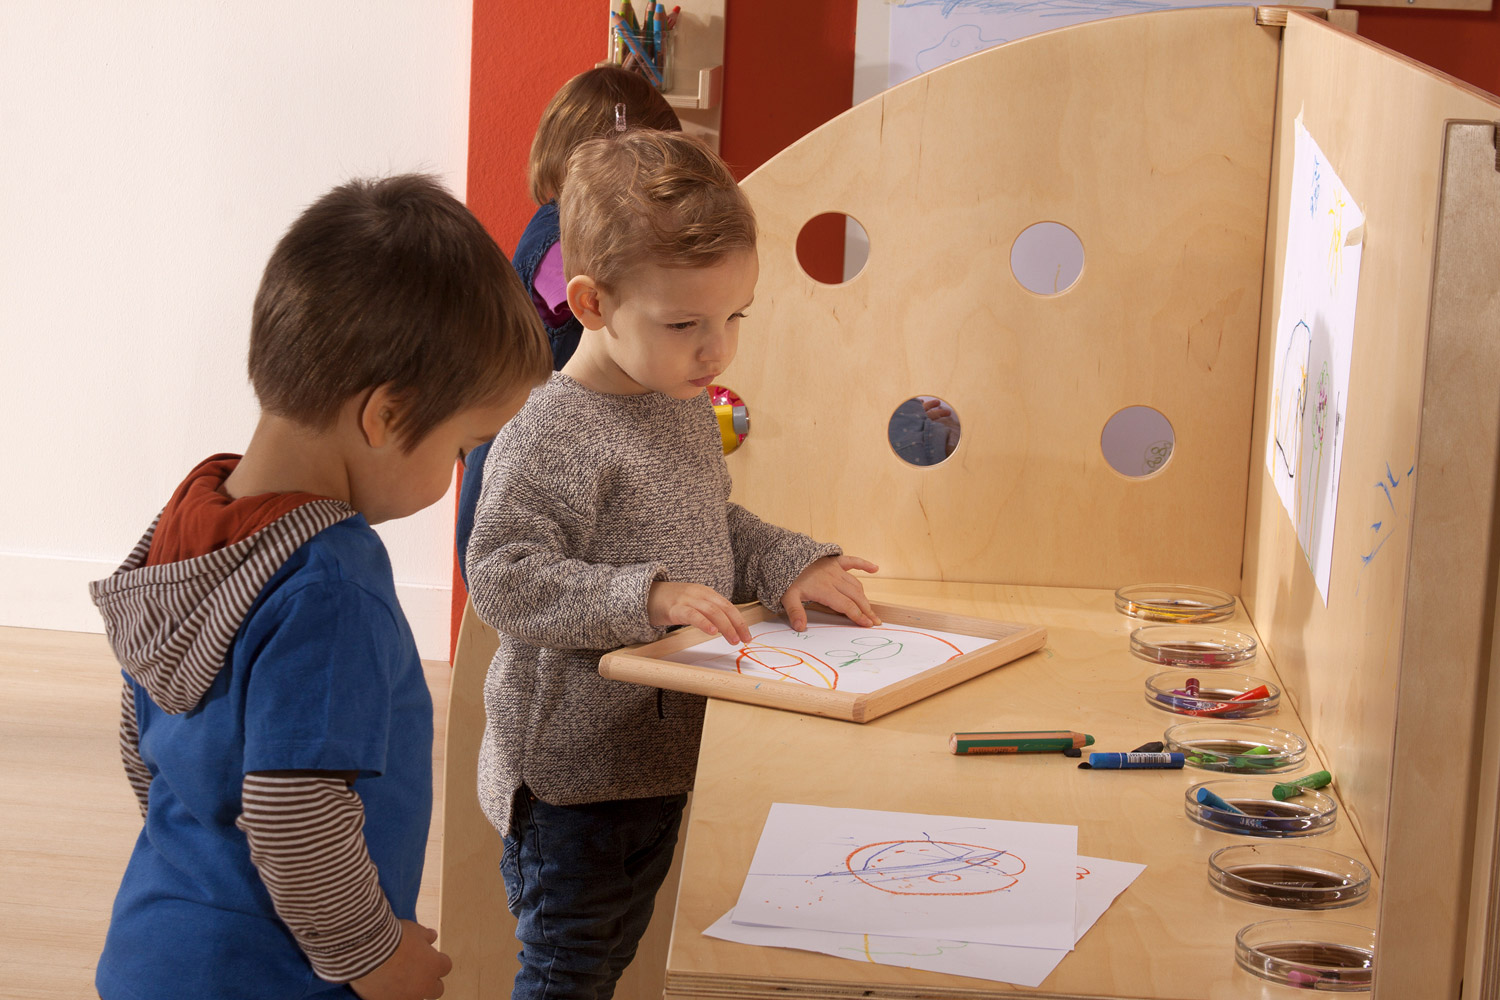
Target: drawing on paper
{"type": "Point", "coordinates": [926, 34]}
{"type": "Point", "coordinates": [940, 877]}
{"type": "Point", "coordinates": [1313, 352]}
{"type": "Point", "coordinates": [934, 868]}
{"type": "Point", "coordinates": [831, 654]}
{"type": "Point", "coordinates": [839, 648]}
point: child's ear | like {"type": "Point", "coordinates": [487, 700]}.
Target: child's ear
{"type": "Point", "coordinates": [377, 417]}
{"type": "Point", "coordinates": [583, 300]}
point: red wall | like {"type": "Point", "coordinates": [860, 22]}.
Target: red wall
{"type": "Point", "coordinates": [1465, 44]}
{"type": "Point", "coordinates": [788, 68]}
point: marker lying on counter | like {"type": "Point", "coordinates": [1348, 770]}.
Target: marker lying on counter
{"type": "Point", "coordinates": [1128, 761]}
{"type": "Point", "coordinates": [1048, 741]}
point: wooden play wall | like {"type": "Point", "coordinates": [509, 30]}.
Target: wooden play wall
{"type": "Point", "coordinates": [1152, 142]}
{"type": "Point", "coordinates": [1152, 139]}
{"type": "Point", "coordinates": [1389, 676]}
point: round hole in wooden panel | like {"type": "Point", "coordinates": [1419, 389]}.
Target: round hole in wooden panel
{"type": "Point", "coordinates": [923, 430]}
{"type": "Point", "coordinates": [1047, 258]}
{"type": "Point", "coordinates": [733, 415]}
{"type": "Point", "coordinates": [832, 247]}
{"type": "Point", "coordinates": [1137, 441]}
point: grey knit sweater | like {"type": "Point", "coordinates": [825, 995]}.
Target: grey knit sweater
{"type": "Point", "coordinates": [587, 500]}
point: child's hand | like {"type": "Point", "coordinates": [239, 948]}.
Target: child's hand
{"type": "Point", "coordinates": [672, 603]}
{"type": "Point", "coordinates": [829, 582]}
{"type": "Point", "coordinates": [414, 971]}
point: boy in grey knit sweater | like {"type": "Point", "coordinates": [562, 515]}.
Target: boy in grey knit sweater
{"type": "Point", "coordinates": [605, 520]}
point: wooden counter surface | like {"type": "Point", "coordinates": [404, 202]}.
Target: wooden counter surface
{"type": "Point", "coordinates": [1170, 935]}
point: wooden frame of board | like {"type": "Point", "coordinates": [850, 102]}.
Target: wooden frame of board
{"type": "Point", "coordinates": [644, 664]}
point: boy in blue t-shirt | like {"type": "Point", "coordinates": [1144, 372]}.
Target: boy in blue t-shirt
{"type": "Point", "coordinates": [275, 722]}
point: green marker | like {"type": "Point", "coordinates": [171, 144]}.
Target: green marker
{"type": "Point", "coordinates": [1291, 789]}
{"type": "Point", "coordinates": [1034, 741]}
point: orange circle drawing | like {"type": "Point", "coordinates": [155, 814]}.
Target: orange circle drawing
{"type": "Point", "coordinates": [934, 868]}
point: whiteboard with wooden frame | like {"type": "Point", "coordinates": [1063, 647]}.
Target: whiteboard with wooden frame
{"type": "Point", "coordinates": [833, 668]}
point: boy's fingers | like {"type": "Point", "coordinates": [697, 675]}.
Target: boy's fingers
{"type": "Point", "coordinates": [738, 621]}
{"type": "Point", "coordinates": [796, 614]}
{"type": "Point", "coordinates": [856, 593]}
{"type": "Point", "coordinates": [724, 621]}
{"type": "Point", "coordinates": [697, 618]}
{"type": "Point", "coordinates": [855, 562]}
{"type": "Point", "coordinates": [846, 606]}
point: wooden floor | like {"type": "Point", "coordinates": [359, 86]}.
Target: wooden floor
{"type": "Point", "coordinates": [68, 818]}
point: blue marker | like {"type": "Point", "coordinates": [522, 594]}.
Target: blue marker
{"type": "Point", "coordinates": [1207, 798]}
{"type": "Point", "coordinates": [1121, 761]}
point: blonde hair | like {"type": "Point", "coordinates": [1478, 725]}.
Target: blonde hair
{"type": "Point", "coordinates": [583, 109]}
{"type": "Point", "coordinates": [658, 197]}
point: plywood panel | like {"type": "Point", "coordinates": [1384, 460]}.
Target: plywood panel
{"type": "Point", "coordinates": [944, 172]}
{"type": "Point", "coordinates": [1387, 674]}
{"type": "Point", "coordinates": [1170, 935]}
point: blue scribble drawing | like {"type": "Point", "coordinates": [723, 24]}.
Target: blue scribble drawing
{"type": "Point", "coordinates": [1316, 176]}
{"type": "Point", "coordinates": [1041, 8]}
{"type": "Point", "coordinates": [1384, 528]}
{"type": "Point", "coordinates": [1289, 402]}
{"type": "Point", "coordinates": [964, 40]}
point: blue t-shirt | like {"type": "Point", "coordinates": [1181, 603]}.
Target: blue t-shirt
{"type": "Point", "coordinates": [323, 675]}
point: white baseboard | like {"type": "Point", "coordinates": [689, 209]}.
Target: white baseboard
{"type": "Point", "coordinates": [52, 592]}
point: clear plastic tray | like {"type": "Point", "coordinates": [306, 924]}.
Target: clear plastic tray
{"type": "Point", "coordinates": [1235, 747]}
{"type": "Point", "coordinates": [1289, 876]}
{"type": "Point", "coordinates": [1220, 694]}
{"type": "Point", "coordinates": [1173, 602]}
{"type": "Point", "coordinates": [1261, 814]}
{"type": "Point", "coordinates": [1313, 954]}
{"type": "Point", "coordinates": [1192, 646]}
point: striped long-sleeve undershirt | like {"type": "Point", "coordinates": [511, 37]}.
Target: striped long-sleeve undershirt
{"type": "Point", "coordinates": [130, 748]}
{"type": "Point", "coordinates": [307, 841]}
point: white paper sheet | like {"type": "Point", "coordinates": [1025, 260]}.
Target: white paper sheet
{"type": "Point", "coordinates": [832, 653]}
{"type": "Point", "coordinates": [910, 875]}
{"type": "Point", "coordinates": [1314, 350]}
{"type": "Point", "coordinates": [1099, 881]}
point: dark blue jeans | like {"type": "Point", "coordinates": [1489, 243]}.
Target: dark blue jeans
{"type": "Point", "coordinates": [581, 881]}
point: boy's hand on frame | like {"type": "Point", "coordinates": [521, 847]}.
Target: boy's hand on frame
{"type": "Point", "coordinates": [414, 971]}
{"type": "Point", "coordinates": [672, 603]}
{"type": "Point", "coordinates": [829, 582]}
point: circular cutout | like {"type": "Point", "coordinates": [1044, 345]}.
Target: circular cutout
{"type": "Point", "coordinates": [924, 430]}
{"type": "Point", "coordinates": [1137, 441]}
{"type": "Point", "coordinates": [1047, 258]}
{"type": "Point", "coordinates": [832, 248]}
{"type": "Point", "coordinates": [733, 416]}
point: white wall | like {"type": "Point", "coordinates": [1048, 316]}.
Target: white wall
{"type": "Point", "coordinates": [151, 154]}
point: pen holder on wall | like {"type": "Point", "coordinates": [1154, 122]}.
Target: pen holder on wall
{"type": "Point", "coordinates": [650, 55]}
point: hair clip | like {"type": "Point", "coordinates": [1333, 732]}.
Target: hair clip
{"type": "Point", "coordinates": [620, 117]}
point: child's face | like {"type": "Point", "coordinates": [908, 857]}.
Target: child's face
{"type": "Point", "coordinates": [398, 484]}
{"type": "Point", "coordinates": [674, 330]}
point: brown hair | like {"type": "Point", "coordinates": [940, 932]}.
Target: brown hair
{"type": "Point", "coordinates": [584, 108]}
{"type": "Point", "coordinates": [658, 197]}
{"type": "Point", "coordinates": [391, 281]}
